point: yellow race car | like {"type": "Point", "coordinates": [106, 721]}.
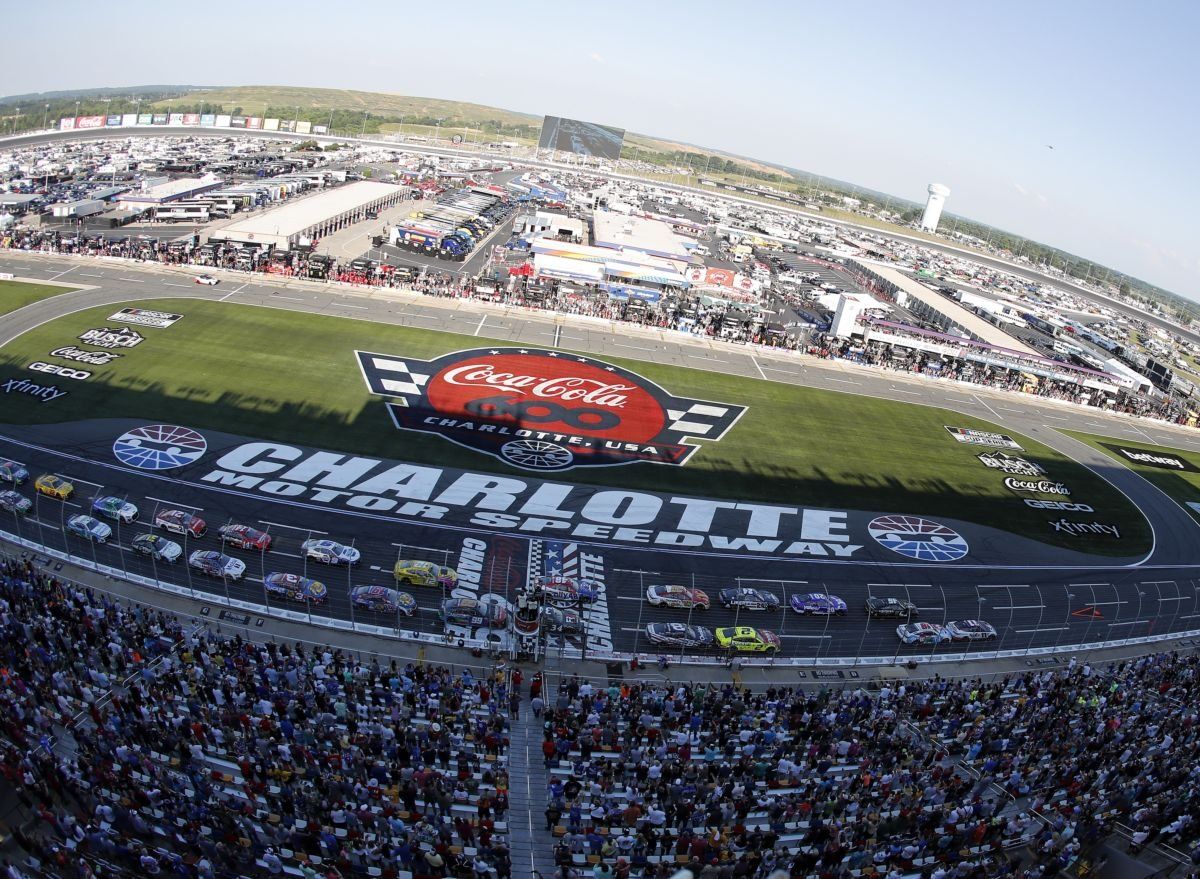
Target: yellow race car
{"type": "Point", "coordinates": [422, 573]}
{"type": "Point", "coordinates": [53, 486]}
{"type": "Point", "coordinates": [743, 639]}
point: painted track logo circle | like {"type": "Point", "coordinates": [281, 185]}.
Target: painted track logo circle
{"type": "Point", "coordinates": [917, 538]}
{"type": "Point", "coordinates": [159, 447]}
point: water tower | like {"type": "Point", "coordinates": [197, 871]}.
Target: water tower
{"type": "Point", "coordinates": [933, 207]}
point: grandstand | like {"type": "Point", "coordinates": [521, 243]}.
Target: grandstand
{"type": "Point", "coordinates": [139, 744]}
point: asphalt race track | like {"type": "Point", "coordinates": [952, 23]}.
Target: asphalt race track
{"type": "Point", "coordinates": [1032, 606]}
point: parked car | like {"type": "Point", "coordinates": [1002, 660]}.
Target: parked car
{"type": "Point", "coordinates": [89, 528]}
{"type": "Point", "coordinates": [748, 599]}
{"type": "Point", "coordinates": [677, 596]}
{"type": "Point", "coordinates": [180, 522]}
{"type": "Point", "coordinates": [895, 608]}
{"type": "Point", "coordinates": [296, 588]}
{"type": "Point", "coordinates": [157, 547]}
{"type": "Point", "coordinates": [381, 599]}
{"type": "Point", "coordinates": [818, 604]}
{"type": "Point", "coordinates": [679, 635]}
{"type": "Point", "coordinates": [971, 630]}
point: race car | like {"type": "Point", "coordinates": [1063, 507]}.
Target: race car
{"type": "Point", "coordinates": [679, 635]}
{"type": "Point", "coordinates": [14, 502]}
{"type": "Point", "coordinates": [245, 537]}
{"type": "Point", "coordinates": [971, 630]}
{"type": "Point", "coordinates": [677, 596]}
{"type": "Point", "coordinates": [743, 639]}
{"type": "Point", "coordinates": [561, 619]}
{"type": "Point", "coordinates": [157, 547]}
{"type": "Point", "coordinates": [896, 608]}
{"type": "Point", "coordinates": [217, 564]}
{"type": "Point", "coordinates": [817, 603]}
{"type": "Point", "coordinates": [180, 522]}
{"type": "Point", "coordinates": [381, 599]}
{"type": "Point", "coordinates": [54, 486]}
{"type": "Point", "coordinates": [111, 507]}
{"type": "Point", "coordinates": [11, 471]}
{"type": "Point", "coordinates": [565, 591]}
{"type": "Point", "coordinates": [473, 613]}
{"type": "Point", "coordinates": [207, 280]}
{"type": "Point", "coordinates": [330, 552]}
{"type": "Point", "coordinates": [89, 528]}
{"type": "Point", "coordinates": [748, 599]}
{"type": "Point", "coordinates": [922, 633]}
{"type": "Point", "coordinates": [420, 573]}
{"type": "Point", "coordinates": [296, 588]}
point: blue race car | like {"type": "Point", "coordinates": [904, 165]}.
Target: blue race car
{"type": "Point", "coordinates": [217, 564]}
{"type": "Point", "coordinates": [89, 528]}
{"type": "Point", "coordinates": [13, 502]}
{"type": "Point", "coordinates": [296, 588]}
{"type": "Point", "coordinates": [381, 599]}
{"type": "Point", "coordinates": [11, 471]}
{"type": "Point", "coordinates": [818, 603]}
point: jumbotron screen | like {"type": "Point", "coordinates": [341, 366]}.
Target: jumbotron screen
{"type": "Point", "coordinates": [581, 138]}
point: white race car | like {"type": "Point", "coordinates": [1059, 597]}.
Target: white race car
{"type": "Point", "coordinates": [207, 280]}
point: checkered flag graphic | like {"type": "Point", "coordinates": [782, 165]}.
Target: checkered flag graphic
{"type": "Point", "coordinates": [702, 420]}
{"type": "Point", "coordinates": [391, 377]}
{"type": "Point", "coordinates": [535, 558]}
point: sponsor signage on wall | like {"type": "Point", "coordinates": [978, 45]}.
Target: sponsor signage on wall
{"type": "Point", "coordinates": [113, 121]}
{"type": "Point", "coordinates": [191, 118]}
{"type": "Point", "coordinates": [90, 121]}
{"type": "Point", "coordinates": [174, 118]}
{"type": "Point", "coordinates": [208, 119]}
{"type": "Point", "coordinates": [66, 124]}
{"type": "Point", "coordinates": [270, 125]}
{"type": "Point", "coordinates": [145, 119]}
{"type": "Point", "coordinates": [1161, 460]}
{"type": "Point", "coordinates": [303, 127]}
{"type": "Point", "coordinates": [145, 317]}
{"type": "Point", "coordinates": [129, 119]}
{"type": "Point", "coordinates": [254, 122]}
{"type": "Point", "coordinates": [543, 410]}
{"type": "Point", "coordinates": [237, 122]}
{"type": "Point", "coordinates": [983, 438]}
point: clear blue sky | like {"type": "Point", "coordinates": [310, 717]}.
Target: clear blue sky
{"type": "Point", "coordinates": [890, 96]}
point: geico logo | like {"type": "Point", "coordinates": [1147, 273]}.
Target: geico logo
{"type": "Point", "coordinates": [64, 371]}
{"type": "Point", "coordinates": [1058, 505]}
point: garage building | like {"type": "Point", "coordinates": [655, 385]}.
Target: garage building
{"type": "Point", "coordinates": [305, 219]}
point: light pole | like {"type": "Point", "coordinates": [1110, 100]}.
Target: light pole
{"type": "Point", "coordinates": [45, 116]}
{"type": "Point", "coordinates": [363, 133]}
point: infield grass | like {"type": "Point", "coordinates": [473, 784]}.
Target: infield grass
{"type": "Point", "coordinates": [291, 376]}
{"type": "Point", "coordinates": [1180, 485]}
{"type": "Point", "coordinates": [18, 294]}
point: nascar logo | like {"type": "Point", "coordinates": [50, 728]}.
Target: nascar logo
{"type": "Point", "coordinates": [544, 410]}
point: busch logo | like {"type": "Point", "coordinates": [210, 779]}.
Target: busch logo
{"type": "Point", "coordinates": [543, 410]}
{"type": "Point", "coordinates": [122, 337]}
{"type": "Point", "coordinates": [1010, 464]}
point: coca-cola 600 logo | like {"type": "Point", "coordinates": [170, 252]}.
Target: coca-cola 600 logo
{"type": "Point", "coordinates": [543, 410]}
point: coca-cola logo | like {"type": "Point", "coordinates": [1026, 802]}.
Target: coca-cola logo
{"type": "Point", "coordinates": [544, 410]}
{"type": "Point", "coordinates": [95, 358]}
{"type": "Point", "coordinates": [1038, 486]}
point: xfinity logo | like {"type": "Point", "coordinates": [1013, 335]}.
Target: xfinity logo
{"type": "Point", "coordinates": [103, 337]}
{"type": "Point", "coordinates": [25, 386]}
{"type": "Point", "coordinates": [1075, 529]}
{"type": "Point", "coordinates": [94, 358]}
{"type": "Point", "coordinates": [1040, 486]}
{"type": "Point", "coordinates": [64, 371]}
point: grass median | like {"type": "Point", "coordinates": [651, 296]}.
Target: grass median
{"type": "Point", "coordinates": [292, 376]}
